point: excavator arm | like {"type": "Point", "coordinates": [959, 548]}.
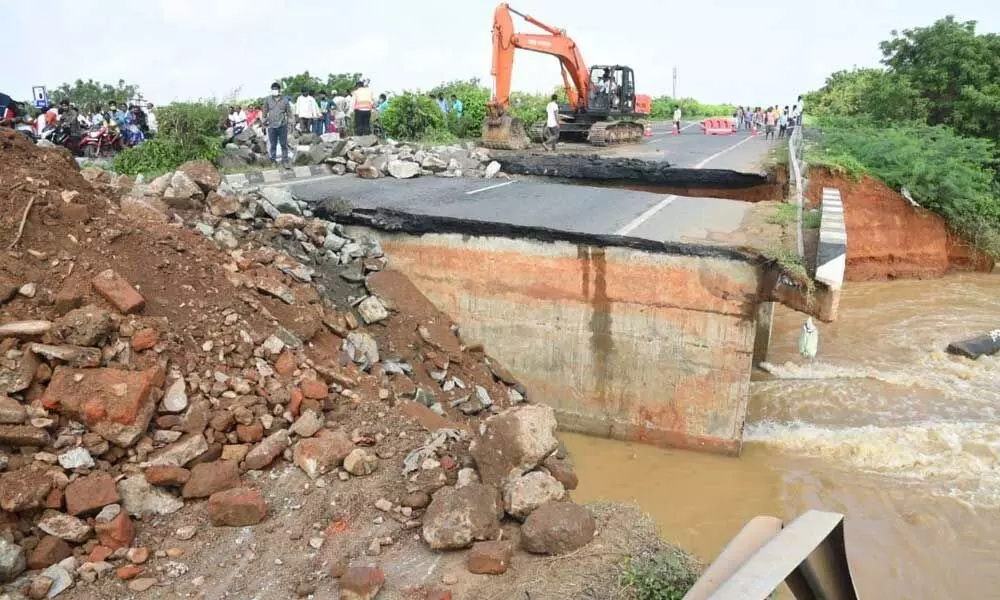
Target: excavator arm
{"type": "Point", "coordinates": [554, 42]}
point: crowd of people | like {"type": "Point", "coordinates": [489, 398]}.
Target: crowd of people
{"type": "Point", "coordinates": [770, 119]}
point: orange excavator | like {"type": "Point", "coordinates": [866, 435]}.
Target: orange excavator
{"type": "Point", "coordinates": [603, 106]}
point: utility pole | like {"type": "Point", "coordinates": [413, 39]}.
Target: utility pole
{"type": "Point", "coordinates": [675, 82]}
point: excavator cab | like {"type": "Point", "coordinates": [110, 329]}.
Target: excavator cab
{"type": "Point", "coordinates": [612, 91]}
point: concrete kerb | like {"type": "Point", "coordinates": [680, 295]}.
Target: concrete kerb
{"type": "Point", "coordinates": [831, 260]}
{"type": "Point", "coordinates": [249, 179]}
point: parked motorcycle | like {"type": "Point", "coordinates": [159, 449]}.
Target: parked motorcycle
{"type": "Point", "coordinates": [100, 142]}
{"type": "Point", "coordinates": [60, 136]}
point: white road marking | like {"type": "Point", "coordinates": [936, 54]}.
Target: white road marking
{"type": "Point", "coordinates": [492, 187]}
{"type": "Point", "coordinates": [669, 133]}
{"type": "Point", "coordinates": [291, 182]}
{"type": "Point", "coordinates": [635, 223]}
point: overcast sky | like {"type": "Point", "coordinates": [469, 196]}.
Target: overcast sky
{"type": "Point", "coordinates": [757, 52]}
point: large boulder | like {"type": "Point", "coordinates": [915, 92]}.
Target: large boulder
{"type": "Point", "coordinates": [281, 199]}
{"type": "Point", "coordinates": [514, 442]}
{"type": "Point", "coordinates": [203, 173]}
{"type": "Point", "coordinates": [183, 192]}
{"type": "Point", "coordinates": [365, 141]}
{"type": "Point", "coordinates": [433, 163]}
{"type": "Point", "coordinates": [457, 517]}
{"type": "Point", "coordinates": [557, 528]}
{"type": "Point", "coordinates": [233, 161]}
{"type": "Point", "coordinates": [12, 560]}
{"type": "Point", "coordinates": [521, 496]}
{"type": "Point", "coordinates": [403, 169]}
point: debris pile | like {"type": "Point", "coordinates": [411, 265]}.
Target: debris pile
{"type": "Point", "coordinates": [162, 343]}
{"type": "Point", "coordinates": [364, 156]}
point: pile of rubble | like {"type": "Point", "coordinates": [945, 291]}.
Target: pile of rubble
{"type": "Point", "coordinates": [364, 155]}
{"type": "Point", "coordinates": [162, 343]}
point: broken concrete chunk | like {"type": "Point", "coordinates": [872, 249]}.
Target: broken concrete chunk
{"type": "Point", "coordinates": [73, 356]}
{"type": "Point", "coordinates": [372, 310]}
{"type": "Point", "coordinates": [25, 329]}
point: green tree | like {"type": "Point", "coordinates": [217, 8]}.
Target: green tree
{"type": "Point", "coordinates": [474, 98]}
{"type": "Point", "coordinates": [294, 85]}
{"type": "Point", "coordinates": [885, 96]}
{"type": "Point", "coordinates": [956, 70]}
{"type": "Point", "coordinates": [90, 92]}
{"type": "Point", "coordinates": [412, 116]}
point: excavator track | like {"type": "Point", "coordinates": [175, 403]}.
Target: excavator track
{"type": "Point", "coordinates": [610, 133]}
{"type": "Point", "coordinates": [537, 132]}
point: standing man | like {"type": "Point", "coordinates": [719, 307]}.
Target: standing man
{"type": "Point", "coordinates": [277, 114]}
{"type": "Point", "coordinates": [802, 106]}
{"type": "Point", "coordinates": [340, 112]}
{"type": "Point", "coordinates": [769, 122]}
{"type": "Point", "coordinates": [551, 125]}
{"type": "Point", "coordinates": [154, 127]}
{"type": "Point", "coordinates": [456, 106]}
{"type": "Point", "coordinates": [363, 103]}
{"type": "Point", "coordinates": [677, 119]}
{"type": "Point", "coordinates": [307, 110]}
{"type": "Point", "coordinates": [783, 123]}
{"type": "Point", "coordinates": [323, 124]}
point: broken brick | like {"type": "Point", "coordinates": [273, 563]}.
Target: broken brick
{"type": "Point", "coordinates": [118, 292]}
{"type": "Point", "coordinates": [117, 532]}
{"type": "Point", "coordinates": [90, 494]}
{"type": "Point", "coordinates": [237, 507]}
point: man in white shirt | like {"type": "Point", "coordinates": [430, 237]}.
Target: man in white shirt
{"type": "Point", "coordinates": [677, 119]}
{"type": "Point", "coordinates": [307, 109]}
{"type": "Point", "coordinates": [239, 120]}
{"type": "Point", "coordinates": [551, 125]}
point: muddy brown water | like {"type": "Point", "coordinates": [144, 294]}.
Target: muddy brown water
{"type": "Point", "coordinates": [882, 426]}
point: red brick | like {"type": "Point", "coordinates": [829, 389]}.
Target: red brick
{"type": "Point", "coordinates": [314, 389]}
{"type": "Point", "coordinates": [295, 402]}
{"type": "Point", "coordinates": [90, 494]}
{"type": "Point", "coordinates": [145, 339]}
{"type": "Point", "coordinates": [116, 533]}
{"type": "Point", "coordinates": [362, 582]}
{"type": "Point", "coordinates": [209, 478]}
{"type": "Point", "coordinates": [285, 365]}
{"type": "Point", "coordinates": [102, 394]}
{"type": "Point", "coordinates": [55, 499]}
{"type": "Point", "coordinates": [167, 475]}
{"type": "Point", "coordinates": [48, 552]}
{"type": "Point", "coordinates": [237, 508]}
{"type": "Point", "coordinates": [250, 433]}
{"type": "Point", "coordinates": [129, 572]}
{"type": "Point", "coordinates": [118, 292]}
{"type": "Point", "coordinates": [490, 558]}
{"type": "Point", "coordinates": [100, 554]}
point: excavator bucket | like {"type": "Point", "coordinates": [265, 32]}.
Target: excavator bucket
{"type": "Point", "coordinates": [501, 131]}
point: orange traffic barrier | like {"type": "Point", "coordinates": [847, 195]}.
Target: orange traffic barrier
{"type": "Point", "coordinates": [718, 126]}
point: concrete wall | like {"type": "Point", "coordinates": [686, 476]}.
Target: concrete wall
{"type": "Point", "coordinates": [646, 343]}
{"type": "Point", "coordinates": [831, 258]}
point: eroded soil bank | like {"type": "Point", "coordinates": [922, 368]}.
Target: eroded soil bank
{"type": "Point", "coordinates": [888, 238]}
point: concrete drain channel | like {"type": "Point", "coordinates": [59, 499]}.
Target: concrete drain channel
{"type": "Point", "coordinates": [649, 176]}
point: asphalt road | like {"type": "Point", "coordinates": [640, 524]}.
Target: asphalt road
{"type": "Point", "coordinates": [570, 207]}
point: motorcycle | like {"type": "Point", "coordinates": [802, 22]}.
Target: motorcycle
{"type": "Point", "coordinates": [100, 142]}
{"type": "Point", "coordinates": [60, 136]}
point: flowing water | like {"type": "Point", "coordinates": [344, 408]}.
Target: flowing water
{"type": "Point", "coordinates": [882, 426]}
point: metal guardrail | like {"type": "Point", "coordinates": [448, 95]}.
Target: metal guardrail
{"type": "Point", "coordinates": [795, 163]}
{"type": "Point", "coordinates": [809, 555]}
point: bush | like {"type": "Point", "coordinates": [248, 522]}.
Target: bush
{"type": "Point", "coordinates": [474, 98]}
{"type": "Point", "coordinates": [946, 173]}
{"type": "Point", "coordinates": [663, 108]}
{"type": "Point", "coordinates": [412, 116]}
{"type": "Point", "coordinates": [187, 131]}
{"type": "Point", "coordinates": [664, 575]}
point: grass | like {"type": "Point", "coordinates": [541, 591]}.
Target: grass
{"type": "Point", "coordinates": [663, 575]}
{"type": "Point", "coordinates": [785, 215]}
{"type": "Point", "coordinates": [812, 219]}
{"type": "Point", "coordinates": [790, 262]}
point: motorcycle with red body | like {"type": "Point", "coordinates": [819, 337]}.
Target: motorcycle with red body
{"type": "Point", "coordinates": [100, 142]}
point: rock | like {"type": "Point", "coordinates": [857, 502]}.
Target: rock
{"type": "Point", "coordinates": [226, 239]}
{"type": "Point", "coordinates": [138, 556]}
{"type": "Point", "coordinates": [141, 584]}
{"type": "Point", "coordinates": [361, 583]}
{"type": "Point", "coordinates": [269, 449]}
{"type": "Point", "coordinates": [145, 339]}
{"type": "Point", "coordinates": [88, 495]}
{"type": "Point", "coordinates": [467, 476]}
{"type": "Point", "coordinates": [208, 478]}
{"type": "Point", "coordinates": [140, 498]}
{"type": "Point", "coordinates": [514, 442]}
{"type": "Point", "coordinates": [203, 173]}
{"type": "Point", "coordinates": [120, 293]}
{"type": "Point", "coordinates": [23, 436]}
{"type": "Point", "coordinates": [183, 191]}
{"type": "Point", "coordinates": [433, 163]}
{"type": "Point", "coordinates": [360, 462]}
{"type": "Point", "coordinates": [361, 348]}
{"type": "Point", "coordinates": [458, 517]}
{"type": "Point", "coordinates": [273, 287]}
{"type": "Point", "coordinates": [73, 356]}
{"type": "Point", "coordinates": [490, 558]}
{"type": "Point", "coordinates": [562, 472]}
{"type": "Point", "coordinates": [334, 242]}
{"type": "Point", "coordinates": [114, 528]}
{"type": "Point", "coordinates": [308, 424]}
{"type": "Point", "coordinates": [372, 310]}
{"type": "Point", "coordinates": [523, 495]}
{"type": "Point", "coordinates": [367, 172]}
{"type": "Point", "coordinates": [49, 551]}
{"type": "Point", "coordinates": [180, 453]}
{"type": "Point", "coordinates": [365, 141]}
{"type": "Point", "coordinates": [238, 507]}
{"type": "Point", "coordinates": [11, 411]}
{"type": "Point", "coordinates": [402, 169]}
{"type": "Point", "coordinates": [28, 290]}
{"type": "Point", "coordinates": [223, 206]}
{"type": "Point", "coordinates": [557, 528]}
{"type": "Point", "coordinates": [167, 476]}
{"type": "Point", "coordinates": [12, 560]}
{"type": "Point", "coordinates": [61, 578]}
{"type": "Point", "coordinates": [25, 329]}
{"type": "Point", "coordinates": [128, 572]}
{"type": "Point", "coordinates": [492, 170]}
{"type": "Point", "coordinates": [175, 400]}
{"type": "Point", "coordinates": [281, 199]}
{"type": "Point", "coordinates": [17, 371]}
{"type": "Point", "coordinates": [87, 326]}
{"type": "Point", "coordinates": [23, 490]}
{"type": "Point", "coordinates": [316, 390]}
{"type": "Point", "coordinates": [77, 458]}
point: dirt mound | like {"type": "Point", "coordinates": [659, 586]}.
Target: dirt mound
{"type": "Point", "coordinates": [888, 238]}
{"type": "Point", "coordinates": [151, 358]}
